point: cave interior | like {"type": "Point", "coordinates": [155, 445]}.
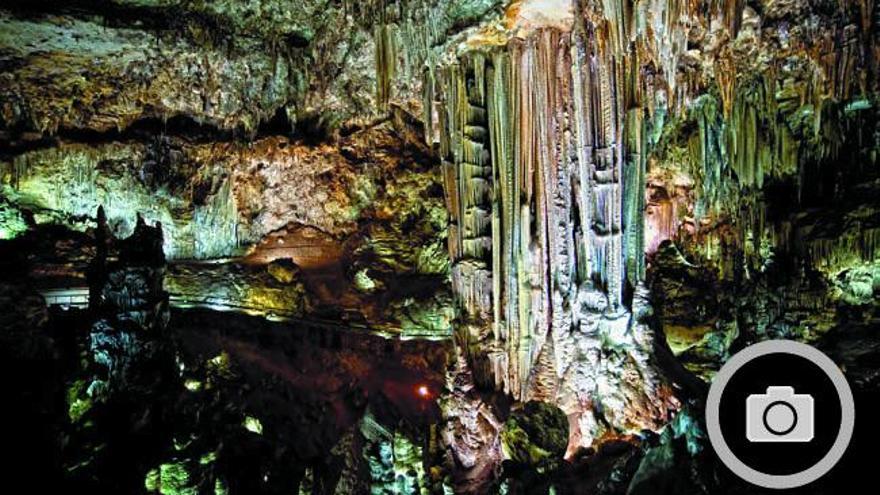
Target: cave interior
{"type": "Point", "coordinates": [424, 246]}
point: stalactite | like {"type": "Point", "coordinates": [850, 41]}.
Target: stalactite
{"type": "Point", "coordinates": [386, 40]}
{"type": "Point", "coordinates": [215, 225]}
{"type": "Point", "coordinates": [635, 184]}
{"type": "Point", "coordinates": [558, 211]}
{"type": "Point", "coordinates": [428, 97]}
{"type": "Point", "coordinates": [852, 248]}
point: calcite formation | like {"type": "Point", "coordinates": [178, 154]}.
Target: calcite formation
{"type": "Point", "coordinates": [545, 187]}
{"type": "Point", "coordinates": [757, 178]}
{"type": "Point", "coordinates": [470, 433]}
{"type": "Point", "coordinates": [366, 209]}
{"type": "Point", "coordinates": [231, 64]}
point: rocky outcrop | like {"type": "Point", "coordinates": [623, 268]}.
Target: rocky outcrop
{"type": "Point", "coordinates": [130, 335]}
{"type": "Point", "coordinates": [120, 363]}
{"type": "Point", "coordinates": [364, 220]}
{"type": "Point", "coordinates": [470, 432]}
{"type": "Point", "coordinates": [70, 73]}
{"type": "Point", "coordinates": [395, 462]}
{"type": "Point", "coordinates": [536, 436]}
{"type": "Point", "coordinates": [218, 199]}
{"type": "Point", "coordinates": [272, 289]}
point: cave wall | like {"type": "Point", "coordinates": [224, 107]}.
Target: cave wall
{"type": "Point", "coordinates": [761, 184]}
{"type": "Point", "coordinates": [252, 131]}
{"type": "Point", "coordinates": [196, 113]}
{"type": "Point", "coordinates": [81, 64]}
{"type": "Point", "coordinates": [218, 199]}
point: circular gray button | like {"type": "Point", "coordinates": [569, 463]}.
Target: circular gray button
{"type": "Point", "coordinates": [780, 418]}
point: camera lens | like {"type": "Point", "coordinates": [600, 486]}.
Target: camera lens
{"type": "Point", "coordinates": [780, 418]}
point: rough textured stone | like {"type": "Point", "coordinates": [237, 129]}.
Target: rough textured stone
{"type": "Point", "coordinates": [536, 435]}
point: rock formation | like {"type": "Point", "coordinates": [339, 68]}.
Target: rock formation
{"type": "Point", "coordinates": [545, 232]}
{"type": "Point", "coordinates": [423, 246]}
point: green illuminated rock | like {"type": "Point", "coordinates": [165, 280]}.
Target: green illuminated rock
{"type": "Point", "coordinates": [536, 435]}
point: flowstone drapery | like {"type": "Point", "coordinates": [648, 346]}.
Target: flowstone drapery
{"type": "Point", "coordinates": [545, 189]}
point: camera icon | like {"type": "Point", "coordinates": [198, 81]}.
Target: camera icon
{"type": "Point", "coordinates": [780, 415]}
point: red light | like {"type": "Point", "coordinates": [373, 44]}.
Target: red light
{"type": "Point", "coordinates": [423, 391]}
